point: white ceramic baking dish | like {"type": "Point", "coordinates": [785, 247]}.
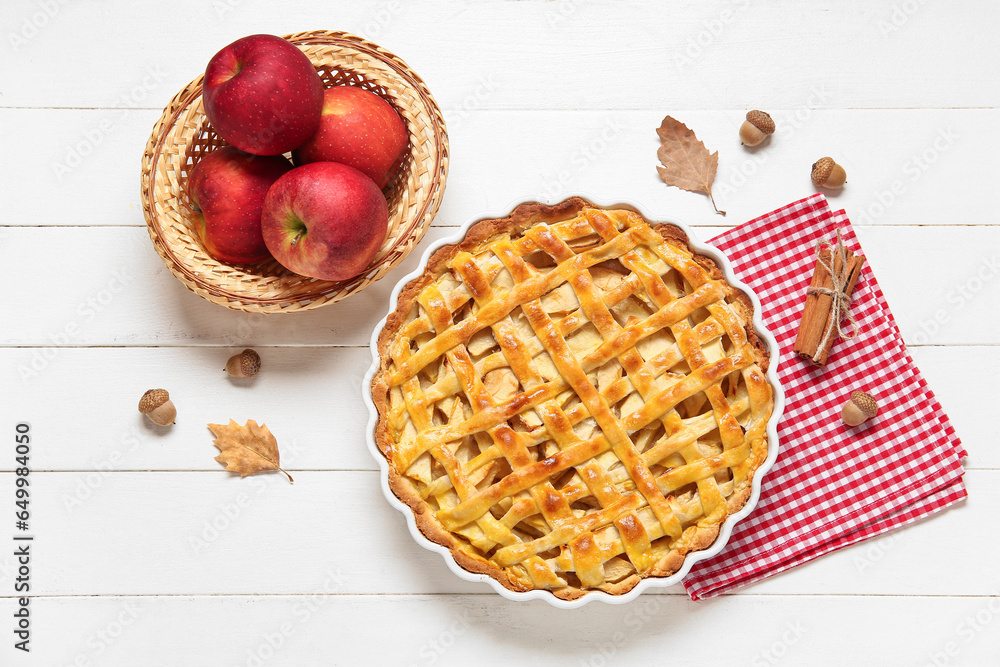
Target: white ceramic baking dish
{"type": "Point", "coordinates": [692, 558]}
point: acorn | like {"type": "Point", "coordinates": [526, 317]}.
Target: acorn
{"type": "Point", "coordinates": [828, 174]}
{"type": "Point", "coordinates": [246, 364]}
{"type": "Point", "coordinates": [859, 409]}
{"type": "Point", "coordinates": [156, 405]}
{"type": "Point", "coordinates": [756, 128]}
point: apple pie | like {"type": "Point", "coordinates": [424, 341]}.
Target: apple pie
{"type": "Point", "coordinates": [571, 399]}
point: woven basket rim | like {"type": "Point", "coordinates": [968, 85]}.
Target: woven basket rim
{"type": "Point", "coordinates": [412, 226]}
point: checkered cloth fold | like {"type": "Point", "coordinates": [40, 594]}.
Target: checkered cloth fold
{"type": "Point", "coordinates": [832, 486]}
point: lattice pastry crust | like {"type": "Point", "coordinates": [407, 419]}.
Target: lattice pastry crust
{"type": "Point", "coordinates": [571, 400]}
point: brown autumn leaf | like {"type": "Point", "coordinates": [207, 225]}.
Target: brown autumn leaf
{"type": "Point", "coordinates": [246, 449]}
{"type": "Point", "coordinates": [687, 164]}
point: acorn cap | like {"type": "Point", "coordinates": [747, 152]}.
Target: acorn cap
{"type": "Point", "coordinates": [866, 402]}
{"type": "Point", "coordinates": [821, 170]}
{"type": "Point", "coordinates": [153, 399]}
{"type": "Point", "coordinates": [249, 362]}
{"type": "Point", "coordinates": [761, 120]}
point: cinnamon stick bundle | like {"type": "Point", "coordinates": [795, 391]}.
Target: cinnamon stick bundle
{"type": "Point", "coordinates": [827, 301]}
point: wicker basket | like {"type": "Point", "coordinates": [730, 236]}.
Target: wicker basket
{"type": "Point", "coordinates": [183, 135]}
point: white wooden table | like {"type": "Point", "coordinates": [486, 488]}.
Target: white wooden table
{"type": "Point", "coordinates": [148, 553]}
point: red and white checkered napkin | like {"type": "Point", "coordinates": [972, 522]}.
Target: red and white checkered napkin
{"type": "Point", "coordinates": [832, 485]}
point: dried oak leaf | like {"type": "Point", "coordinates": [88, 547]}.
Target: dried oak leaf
{"type": "Point", "coordinates": [687, 164]}
{"type": "Point", "coordinates": [246, 449]}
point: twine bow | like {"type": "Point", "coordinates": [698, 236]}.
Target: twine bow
{"type": "Point", "coordinates": [837, 291]}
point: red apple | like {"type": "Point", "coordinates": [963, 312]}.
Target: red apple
{"type": "Point", "coordinates": [360, 129]}
{"type": "Point", "coordinates": [228, 187]}
{"type": "Point", "coordinates": [263, 95]}
{"type": "Point", "coordinates": [325, 220]}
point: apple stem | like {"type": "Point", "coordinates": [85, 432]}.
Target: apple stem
{"type": "Point", "coordinates": [297, 237]}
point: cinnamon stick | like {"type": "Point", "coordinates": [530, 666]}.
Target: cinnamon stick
{"type": "Point", "coordinates": [820, 325]}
